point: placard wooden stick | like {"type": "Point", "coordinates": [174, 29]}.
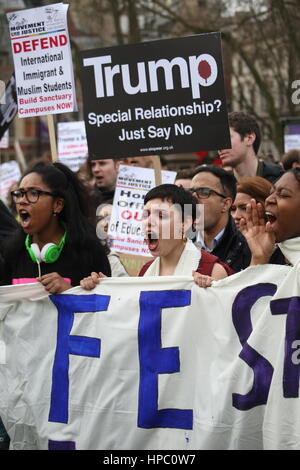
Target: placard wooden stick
{"type": "Point", "coordinates": [157, 169]}
{"type": "Point", "coordinates": [52, 137]}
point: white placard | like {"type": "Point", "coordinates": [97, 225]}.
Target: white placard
{"type": "Point", "coordinates": [291, 142]}
{"type": "Point", "coordinates": [72, 144]}
{"type": "Point", "coordinates": [125, 227]}
{"type": "Point", "coordinates": [42, 60]}
{"type": "Point", "coordinates": [9, 173]}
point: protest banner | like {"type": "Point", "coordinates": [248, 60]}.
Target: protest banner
{"type": "Point", "coordinates": [8, 105]}
{"type": "Point", "coordinates": [72, 144]}
{"type": "Point", "coordinates": [9, 173]}
{"type": "Point", "coordinates": [125, 228]}
{"type": "Point", "coordinates": [147, 363]}
{"type": "Point", "coordinates": [162, 96]}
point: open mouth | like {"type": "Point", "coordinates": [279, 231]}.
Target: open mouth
{"type": "Point", "coordinates": [24, 218]}
{"type": "Point", "coordinates": [271, 217]}
{"type": "Point", "coordinates": [152, 241]}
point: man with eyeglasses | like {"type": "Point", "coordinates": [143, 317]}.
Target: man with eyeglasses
{"type": "Point", "coordinates": [215, 188]}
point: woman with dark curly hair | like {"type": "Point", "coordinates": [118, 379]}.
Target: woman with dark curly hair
{"type": "Point", "coordinates": [282, 208]}
{"type": "Point", "coordinates": [55, 244]}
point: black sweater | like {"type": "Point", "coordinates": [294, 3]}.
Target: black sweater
{"type": "Point", "coordinates": [232, 248]}
{"type": "Point", "coordinates": [17, 265]}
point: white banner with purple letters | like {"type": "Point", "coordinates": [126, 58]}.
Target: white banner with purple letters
{"type": "Point", "coordinates": [154, 363]}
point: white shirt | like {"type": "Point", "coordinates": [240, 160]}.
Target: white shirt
{"type": "Point", "coordinates": [201, 244]}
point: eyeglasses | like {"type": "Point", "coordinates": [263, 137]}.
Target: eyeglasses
{"type": "Point", "coordinates": [32, 195]}
{"type": "Point", "coordinates": [204, 193]}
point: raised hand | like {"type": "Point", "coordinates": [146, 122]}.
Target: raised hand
{"type": "Point", "coordinates": [259, 234]}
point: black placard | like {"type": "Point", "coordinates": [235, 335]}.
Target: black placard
{"type": "Point", "coordinates": [157, 97]}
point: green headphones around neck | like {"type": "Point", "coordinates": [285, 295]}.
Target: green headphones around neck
{"type": "Point", "coordinates": [49, 253]}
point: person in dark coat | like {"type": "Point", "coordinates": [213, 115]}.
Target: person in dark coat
{"type": "Point", "coordinates": [105, 173]}
{"type": "Point", "coordinates": [242, 157]}
{"type": "Point", "coordinates": [215, 188]}
{"type": "Point", "coordinates": [8, 223]}
{"type": "Point", "coordinates": [8, 226]}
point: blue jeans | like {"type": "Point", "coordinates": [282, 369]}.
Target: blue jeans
{"type": "Point", "coordinates": [4, 437]}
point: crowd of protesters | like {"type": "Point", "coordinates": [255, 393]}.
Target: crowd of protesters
{"type": "Point", "coordinates": [50, 232]}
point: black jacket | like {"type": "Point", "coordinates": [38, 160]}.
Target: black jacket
{"type": "Point", "coordinates": [102, 196]}
{"type": "Point", "coordinates": [8, 223]}
{"type": "Point", "coordinates": [232, 248]}
{"type": "Point", "coordinates": [73, 264]}
{"type": "Point", "coordinates": [269, 171]}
